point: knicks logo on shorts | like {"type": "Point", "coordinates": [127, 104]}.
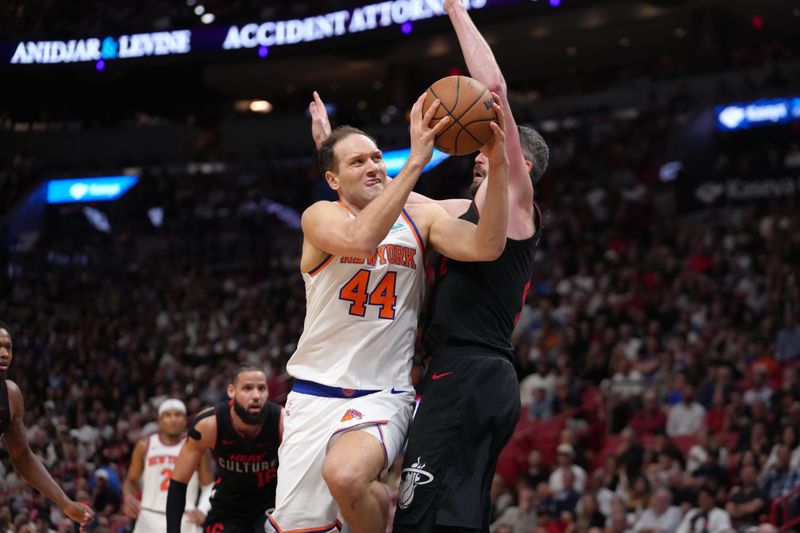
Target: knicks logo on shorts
{"type": "Point", "coordinates": [411, 478]}
{"type": "Point", "coordinates": [352, 414]}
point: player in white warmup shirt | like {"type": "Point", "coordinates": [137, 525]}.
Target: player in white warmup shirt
{"type": "Point", "coordinates": [152, 463]}
{"type": "Point", "coordinates": [349, 410]}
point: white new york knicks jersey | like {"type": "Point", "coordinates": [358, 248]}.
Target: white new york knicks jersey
{"type": "Point", "coordinates": [159, 463]}
{"type": "Point", "coordinates": [361, 315]}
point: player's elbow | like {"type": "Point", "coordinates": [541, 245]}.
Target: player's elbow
{"type": "Point", "coordinates": [363, 247]}
{"type": "Point", "coordinates": [497, 84]}
{"type": "Point", "coordinates": [20, 457]}
{"type": "Point", "coordinates": [491, 250]}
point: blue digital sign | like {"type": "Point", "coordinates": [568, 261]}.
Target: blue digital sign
{"type": "Point", "coordinates": [395, 159]}
{"type": "Point", "coordinates": [89, 189]}
{"type": "Point", "coordinates": [759, 113]}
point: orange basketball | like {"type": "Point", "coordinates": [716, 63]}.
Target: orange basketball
{"type": "Point", "coordinates": [469, 104]}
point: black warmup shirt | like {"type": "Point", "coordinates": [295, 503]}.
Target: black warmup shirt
{"type": "Point", "coordinates": [478, 304]}
{"type": "Point", "coordinates": [247, 468]}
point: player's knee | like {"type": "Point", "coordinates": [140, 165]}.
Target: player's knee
{"type": "Point", "coordinates": [343, 482]}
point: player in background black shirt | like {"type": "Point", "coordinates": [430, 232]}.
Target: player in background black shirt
{"type": "Point", "coordinates": [470, 402]}
{"type": "Point", "coordinates": [243, 435]}
{"type": "Point", "coordinates": [13, 434]}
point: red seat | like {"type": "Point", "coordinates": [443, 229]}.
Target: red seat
{"type": "Point", "coordinates": [684, 443]}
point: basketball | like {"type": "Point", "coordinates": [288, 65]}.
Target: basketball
{"type": "Point", "coordinates": [469, 104]}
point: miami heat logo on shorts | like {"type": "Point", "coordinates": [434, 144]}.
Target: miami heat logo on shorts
{"type": "Point", "coordinates": [352, 414]}
{"type": "Point", "coordinates": [411, 478]}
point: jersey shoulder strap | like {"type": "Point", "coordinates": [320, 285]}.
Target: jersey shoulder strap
{"type": "Point", "coordinates": [193, 433]}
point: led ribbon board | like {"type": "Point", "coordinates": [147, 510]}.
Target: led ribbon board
{"type": "Point", "coordinates": [89, 189]}
{"type": "Point", "coordinates": [395, 159]}
{"type": "Point", "coordinates": [758, 113]}
{"type": "Point", "coordinates": [258, 34]}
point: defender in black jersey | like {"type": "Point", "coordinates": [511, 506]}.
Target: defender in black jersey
{"type": "Point", "coordinates": [470, 398]}
{"type": "Point", "coordinates": [243, 435]}
{"type": "Point", "coordinates": [13, 434]}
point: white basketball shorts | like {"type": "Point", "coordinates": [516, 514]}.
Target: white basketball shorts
{"type": "Point", "coordinates": [311, 423]}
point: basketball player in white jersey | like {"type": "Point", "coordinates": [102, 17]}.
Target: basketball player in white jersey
{"type": "Point", "coordinates": [362, 261]}
{"type": "Point", "coordinates": [152, 463]}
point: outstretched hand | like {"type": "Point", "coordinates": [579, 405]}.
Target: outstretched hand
{"type": "Point", "coordinates": [422, 135]}
{"type": "Point", "coordinates": [80, 513]}
{"type": "Point", "coordinates": [320, 123]}
{"type": "Point", "coordinates": [495, 147]}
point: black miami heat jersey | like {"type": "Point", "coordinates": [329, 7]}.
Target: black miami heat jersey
{"type": "Point", "coordinates": [246, 468]}
{"type": "Point", "coordinates": [478, 304]}
{"type": "Point", "coordinates": [5, 406]}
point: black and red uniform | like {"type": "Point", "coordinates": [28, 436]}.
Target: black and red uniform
{"type": "Point", "coordinates": [470, 400]}
{"type": "Point", "coordinates": [244, 491]}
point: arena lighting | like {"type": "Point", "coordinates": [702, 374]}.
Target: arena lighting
{"type": "Point", "coordinates": [670, 171]}
{"type": "Point", "coordinates": [208, 18]}
{"type": "Point", "coordinates": [97, 219]}
{"type": "Point", "coordinates": [80, 190]}
{"type": "Point", "coordinates": [260, 106]}
{"type": "Point", "coordinates": [395, 159]}
{"type": "Point", "coordinates": [763, 112]}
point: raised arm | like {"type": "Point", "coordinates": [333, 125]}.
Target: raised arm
{"type": "Point", "coordinates": [464, 241]}
{"type": "Point", "coordinates": [328, 229]}
{"type": "Point", "coordinates": [131, 504]}
{"type": "Point", "coordinates": [31, 468]}
{"type": "Point", "coordinates": [483, 67]}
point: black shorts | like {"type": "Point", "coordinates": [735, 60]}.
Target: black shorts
{"type": "Point", "coordinates": [225, 520]}
{"type": "Point", "coordinates": [469, 409]}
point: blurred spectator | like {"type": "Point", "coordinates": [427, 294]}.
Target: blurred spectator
{"type": "Point", "coordinates": [787, 344]}
{"type": "Point", "coordinates": [686, 417]}
{"type": "Point", "coordinates": [536, 472]}
{"type": "Point", "coordinates": [747, 501]}
{"type": "Point", "coordinates": [635, 495]}
{"type": "Point", "coordinates": [706, 517]}
{"type": "Point", "coordinates": [567, 498]}
{"type": "Point", "coordinates": [650, 418]}
{"type": "Point", "coordinates": [789, 440]}
{"type": "Point", "coordinates": [589, 514]}
{"type": "Point", "coordinates": [630, 453]}
{"type": "Point", "coordinates": [720, 384]}
{"type": "Point", "coordinates": [540, 406]}
{"type": "Point", "coordinates": [781, 478]}
{"type": "Point", "coordinates": [717, 415]}
{"type": "Point", "coordinates": [711, 471]}
{"type": "Point", "coordinates": [565, 455]}
{"type": "Point", "coordinates": [520, 518]}
{"type": "Point", "coordinates": [759, 390]}
{"type": "Point", "coordinates": [542, 379]}
{"type": "Point", "coordinates": [105, 500]}
{"type": "Point", "coordinates": [619, 521]}
{"type": "Point", "coordinates": [661, 516]}
{"type": "Point", "coordinates": [570, 436]}
{"type": "Point", "coordinates": [548, 519]}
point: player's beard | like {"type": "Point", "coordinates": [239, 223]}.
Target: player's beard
{"type": "Point", "coordinates": [251, 419]}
